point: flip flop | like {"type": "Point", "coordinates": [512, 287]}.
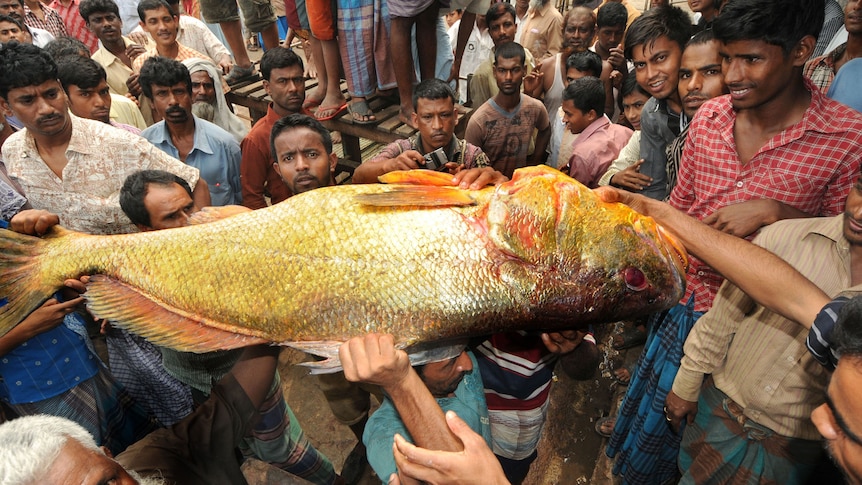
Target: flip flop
{"type": "Point", "coordinates": [336, 110]}
{"type": "Point", "coordinates": [603, 421]}
{"type": "Point", "coordinates": [361, 109]}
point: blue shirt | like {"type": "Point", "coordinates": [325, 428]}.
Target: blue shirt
{"type": "Point", "coordinates": [215, 153]}
{"type": "Point", "coordinates": [468, 403]}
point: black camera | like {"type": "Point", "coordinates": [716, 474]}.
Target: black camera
{"type": "Point", "coordinates": [436, 160]}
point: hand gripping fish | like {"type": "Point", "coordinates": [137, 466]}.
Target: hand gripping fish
{"type": "Point", "coordinates": [418, 259]}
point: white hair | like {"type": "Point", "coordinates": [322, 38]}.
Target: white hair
{"type": "Point", "coordinates": [30, 445]}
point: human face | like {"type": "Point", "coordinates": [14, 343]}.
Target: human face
{"type": "Point", "coordinates": [501, 30]}
{"type": "Point", "coordinates": [169, 206]}
{"type": "Point", "coordinates": [700, 77]}
{"type": "Point", "coordinates": [162, 26]}
{"type": "Point", "coordinates": [657, 66]}
{"type": "Point", "coordinates": [701, 5]}
{"type": "Point", "coordinates": [42, 109]}
{"type": "Point", "coordinates": [852, 17]}
{"type": "Point", "coordinates": [286, 87]}
{"type": "Point", "coordinates": [77, 465]}
{"type": "Point", "coordinates": [573, 75]}
{"type": "Point", "coordinates": [442, 378]}
{"type": "Point", "coordinates": [839, 420]}
{"type": "Point", "coordinates": [757, 73]}
{"type": "Point", "coordinates": [435, 119]}
{"type": "Point", "coordinates": [10, 31]}
{"type": "Point", "coordinates": [302, 160]}
{"type": "Point", "coordinates": [509, 73]}
{"type": "Point", "coordinates": [657, 3]}
{"type": "Point", "coordinates": [91, 103]}
{"type": "Point", "coordinates": [578, 32]}
{"type": "Point", "coordinates": [12, 8]}
{"type": "Point", "coordinates": [106, 26]}
{"type": "Point", "coordinates": [853, 215]}
{"type": "Point", "coordinates": [633, 105]}
{"type": "Point", "coordinates": [173, 103]}
{"type": "Point", "coordinates": [203, 88]}
{"type": "Point", "coordinates": [610, 36]}
{"type": "Point", "coordinates": [575, 119]}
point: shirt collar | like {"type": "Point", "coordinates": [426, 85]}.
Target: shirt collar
{"type": "Point", "coordinates": [162, 135]}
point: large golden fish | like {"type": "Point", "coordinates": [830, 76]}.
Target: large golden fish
{"type": "Point", "coordinates": [422, 262]}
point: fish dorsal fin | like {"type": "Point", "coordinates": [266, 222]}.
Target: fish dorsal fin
{"type": "Point", "coordinates": [418, 177]}
{"type": "Point", "coordinates": [212, 214]}
{"type": "Point", "coordinates": [417, 196]}
{"type": "Point", "coordinates": [128, 308]}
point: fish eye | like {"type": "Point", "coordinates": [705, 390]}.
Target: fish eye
{"type": "Point", "coordinates": [635, 279]}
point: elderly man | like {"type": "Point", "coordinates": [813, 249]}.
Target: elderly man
{"type": "Point", "coordinates": [207, 88]}
{"type": "Point", "coordinates": [196, 142]}
{"type": "Point", "coordinates": [434, 106]}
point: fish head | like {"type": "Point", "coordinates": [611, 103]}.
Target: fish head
{"type": "Point", "coordinates": [577, 259]}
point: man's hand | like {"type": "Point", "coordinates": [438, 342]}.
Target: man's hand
{"type": "Point", "coordinates": [374, 359]}
{"type": "Point", "coordinates": [225, 63]}
{"type": "Point", "coordinates": [744, 218]}
{"type": "Point", "coordinates": [476, 465]}
{"type": "Point", "coordinates": [133, 85]}
{"type": "Point", "coordinates": [630, 177]}
{"type": "Point", "coordinates": [49, 315]}
{"type": "Point", "coordinates": [476, 178]}
{"type": "Point", "coordinates": [561, 343]}
{"type": "Point", "coordinates": [140, 38]}
{"type": "Point", "coordinates": [134, 50]}
{"type": "Point", "coordinates": [407, 160]}
{"type": "Point", "coordinates": [533, 84]}
{"type": "Point", "coordinates": [34, 222]}
{"type": "Point", "coordinates": [678, 409]}
{"type": "Point", "coordinates": [617, 58]}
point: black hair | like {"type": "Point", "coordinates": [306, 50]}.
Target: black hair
{"type": "Point", "coordinates": [135, 189]}
{"type": "Point", "coordinates": [163, 71]}
{"type": "Point", "coordinates": [65, 46]}
{"type": "Point", "coordinates": [298, 120]}
{"type": "Point", "coordinates": [587, 61]}
{"type": "Point", "coordinates": [703, 37]}
{"type": "Point", "coordinates": [499, 10]}
{"type": "Point", "coordinates": [432, 88]}
{"type": "Point", "coordinates": [782, 23]}
{"type": "Point", "coordinates": [630, 85]}
{"type": "Point", "coordinates": [147, 5]}
{"type": "Point", "coordinates": [74, 70]}
{"type": "Point", "coordinates": [24, 65]}
{"type": "Point", "coordinates": [89, 7]}
{"type": "Point", "coordinates": [668, 21]}
{"type": "Point", "coordinates": [587, 93]}
{"type": "Point", "coordinates": [847, 333]}
{"type": "Point", "coordinates": [278, 58]}
{"type": "Point", "coordinates": [612, 14]}
{"type": "Point", "coordinates": [12, 20]}
{"type": "Point", "coordinates": [510, 50]}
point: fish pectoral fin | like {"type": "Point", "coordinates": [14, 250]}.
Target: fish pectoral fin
{"type": "Point", "coordinates": [212, 214]}
{"type": "Point", "coordinates": [418, 177]}
{"type": "Point", "coordinates": [321, 348]}
{"type": "Point", "coordinates": [130, 309]}
{"type": "Point", "coordinates": [421, 196]}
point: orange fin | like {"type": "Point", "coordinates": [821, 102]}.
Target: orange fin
{"type": "Point", "coordinates": [320, 348]}
{"type": "Point", "coordinates": [128, 308]}
{"type": "Point", "coordinates": [422, 196]}
{"type": "Point", "coordinates": [22, 285]}
{"type": "Point", "coordinates": [418, 177]}
{"type": "Point", "coordinates": [212, 214]}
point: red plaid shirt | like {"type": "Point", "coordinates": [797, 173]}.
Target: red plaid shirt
{"type": "Point", "coordinates": [52, 23]}
{"type": "Point", "coordinates": [75, 24]}
{"type": "Point", "coordinates": [810, 166]}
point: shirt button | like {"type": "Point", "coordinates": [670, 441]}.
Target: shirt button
{"type": "Point", "coordinates": [739, 184]}
{"type": "Point", "coordinates": [768, 388]}
{"type": "Point", "coordinates": [700, 273]}
{"type": "Point", "coordinates": [790, 359]}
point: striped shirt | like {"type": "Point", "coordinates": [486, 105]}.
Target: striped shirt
{"type": "Point", "coordinates": [75, 24]}
{"type": "Point", "coordinates": [757, 357]}
{"type": "Point", "coordinates": [810, 166]}
{"type": "Point", "coordinates": [53, 23]}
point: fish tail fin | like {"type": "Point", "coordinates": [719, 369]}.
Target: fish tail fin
{"type": "Point", "coordinates": [22, 288]}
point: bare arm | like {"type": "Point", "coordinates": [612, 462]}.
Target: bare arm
{"type": "Point", "coordinates": [542, 139]}
{"type": "Point", "coordinates": [201, 194]}
{"type": "Point", "coordinates": [367, 172]}
{"type": "Point", "coordinates": [761, 274]}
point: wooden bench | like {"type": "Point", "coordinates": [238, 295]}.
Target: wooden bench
{"type": "Point", "coordinates": [388, 128]}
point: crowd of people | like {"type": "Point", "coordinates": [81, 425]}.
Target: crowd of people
{"type": "Point", "coordinates": [737, 128]}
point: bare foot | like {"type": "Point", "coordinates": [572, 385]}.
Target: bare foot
{"type": "Point", "coordinates": [406, 117]}
{"type": "Point", "coordinates": [622, 375]}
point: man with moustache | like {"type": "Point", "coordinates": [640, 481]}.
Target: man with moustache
{"type": "Point", "coordinates": [199, 143]}
{"type": "Point", "coordinates": [500, 19]}
{"type": "Point", "coordinates": [15, 9]}
{"type": "Point", "coordinates": [503, 126]}
{"type": "Point", "coordinates": [540, 33]}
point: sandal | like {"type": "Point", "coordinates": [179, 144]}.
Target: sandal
{"type": "Point", "coordinates": [361, 113]}
{"type": "Point", "coordinates": [630, 368]}
{"type": "Point", "coordinates": [605, 426]}
{"type": "Point", "coordinates": [630, 337]}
